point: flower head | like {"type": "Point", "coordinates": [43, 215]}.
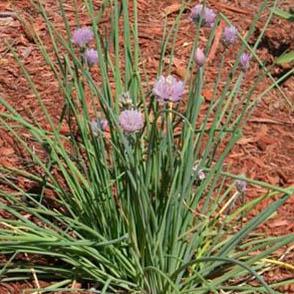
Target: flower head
{"type": "Point", "coordinates": [241, 186]}
{"type": "Point", "coordinates": [201, 13]}
{"type": "Point", "coordinates": [244, 61]}
{"type": "Point", "coordinates": [199, 57]}
{"type": "Point", "coordinates": [91, 56]}
{"type": "Point", "coordinates": [131, 120]}
{"type": "Point", "coordinates": [168, 89]}
{"type": "Point", "coordinates": [229, 35]}
{"type": "Point", "coordinates": [82, 36]}
{"type": "Point", "coordinates": [98, 125]}
{"type": "Point", "coordinates": [209, 17]}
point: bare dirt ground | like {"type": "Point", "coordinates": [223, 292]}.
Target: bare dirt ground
{"type": "Point", "coordinates": [266, 151]}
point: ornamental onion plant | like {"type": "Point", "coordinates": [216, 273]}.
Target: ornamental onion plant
{"type": "Point", "coordinates": [136, 196]}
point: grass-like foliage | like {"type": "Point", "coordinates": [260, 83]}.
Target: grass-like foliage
{"type": "Point", "coordinates": [138, 200]}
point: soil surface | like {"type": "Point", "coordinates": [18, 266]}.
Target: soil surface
{"type": "Point", "coordinates": [266, 150]}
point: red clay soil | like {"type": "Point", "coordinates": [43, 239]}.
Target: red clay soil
{"type": "Point", "coordinates": [265, 152]}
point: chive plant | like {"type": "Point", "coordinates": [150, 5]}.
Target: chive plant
{"type": "Point", "coordinates": [137, 206]}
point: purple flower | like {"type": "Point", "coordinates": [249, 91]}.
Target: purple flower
{"type": "Point", "coordinates": [199, 57]}
{"type": "Point", "coordinates": [241, 186]}
{"type": "Point", "coordinates": [82, 36]}
{"type": "Point", "coordinates": [168, 89]}
{"type": "Point", "coordinates": [98, 125]}
{"type": "Point", "coordinates": [201, 13]}
{"type": "Point", "coordinates": [229, 35]}
{"type": "Point", "coordinates": [131, 121]}
{"type": "Point", "coordinates": [209, 17]}
{"type": "Point", "coordinates": [244, 61]}
{"type": "Point", "coordinates": [91, 56]}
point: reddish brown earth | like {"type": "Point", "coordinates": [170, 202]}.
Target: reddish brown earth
{"type": "Point", "coordinates": [266, 151]}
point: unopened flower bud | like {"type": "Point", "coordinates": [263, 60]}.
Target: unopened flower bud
{"type": "Point", "coordinates": [91, 57]}
{"type": "Point", "coordinates": [244, 61]}
{"type": "Point", "coordinates": [98, 125]}
{"type": "Point", "coordinates": [241, 186]}
{"type": "Point", "coordinates": [199, 57]}
{"type": "Point", "coordinates": [125, 100]}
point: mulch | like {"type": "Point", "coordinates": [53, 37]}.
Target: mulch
{"type": "Point", "coordinates": [266, 150]}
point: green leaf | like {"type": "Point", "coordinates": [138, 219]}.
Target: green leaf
{"type": "Point", "coordinates": [289, 15]}
{"type": "Point", "coordinates": [251, 225]}
{"type": "Point", "coordinates": [285, 58]}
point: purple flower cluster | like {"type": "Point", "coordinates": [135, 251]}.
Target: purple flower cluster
{"type": "Point", "coordinates": [82, 36]}
{"type": "Point", "coordinates": [244, 61]}
{"type": "Point", "coordinates": [131, 121]}
{"type": "Point", "coordinates": [91, 56]}
{"type": "Point", "coordinates": [206, 16]}
{"type": "Point", "coordinates": [168, 89]}
{"type": "Point", "coordinates": [230, 35]}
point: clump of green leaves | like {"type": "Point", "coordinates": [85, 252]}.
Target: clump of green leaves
{"type": "Point", "coordinates": [149, 211]}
